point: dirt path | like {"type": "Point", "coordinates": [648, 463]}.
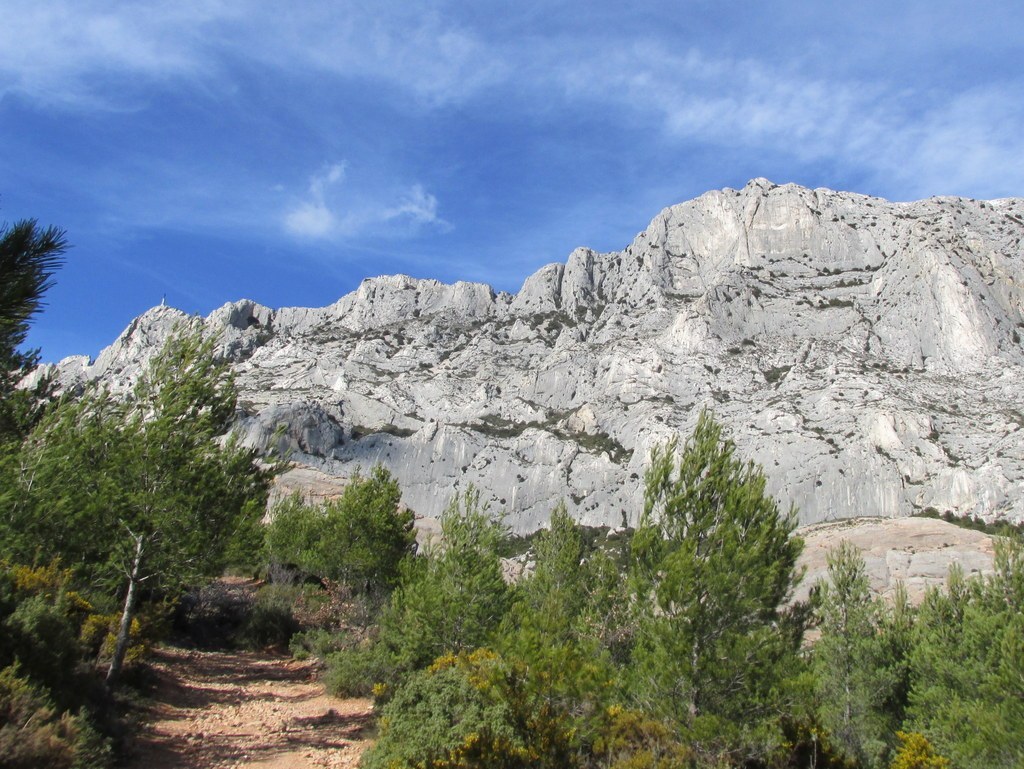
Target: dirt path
{"type": "Point", "coordinates": [246, 709]}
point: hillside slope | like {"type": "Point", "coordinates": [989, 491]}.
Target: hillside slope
{"type": "Point", "coordinates": [868, 354]}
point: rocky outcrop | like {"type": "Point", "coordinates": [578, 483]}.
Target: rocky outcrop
{"type": "Point", "coordinates": [312, 486]}
{"type": "Point", "coordinates": [914, 552]}
{"type": "Point", "coordinates": [866, 353]}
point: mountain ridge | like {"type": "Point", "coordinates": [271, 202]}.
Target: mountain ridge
{"type": "Point", "coordinates": [866, 353]}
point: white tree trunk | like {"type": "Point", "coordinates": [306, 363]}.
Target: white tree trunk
{"type": "Point", "coordinates": [124, 630]}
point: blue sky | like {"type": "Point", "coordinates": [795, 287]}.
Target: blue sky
{"type": "Point", "coordinates": [210, 150]}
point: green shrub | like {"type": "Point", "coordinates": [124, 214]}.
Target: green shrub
{"type": "Point", "coordinates": [272, 622]}
{"type": "Point", "coordinates": [354, 672]}
{"type": "Point", "coordinates": [917, 753]}
{"type": "Point", "coordinates": [448, 716]}
{"type": "Point", "coordinates": [358, 539]}
{"type": "Point", "coordinates": [452, 599]}
{"type": "Point", "coordinates": [39, 629]}
{"type": "Point", "coordinates": [33, 734]}
{"type": "Point", "coordinates": [44, 641]}
{"type": "Point", "coordinates": [632, 739]}
{"type": "Point", "coordinates": [316, 642]}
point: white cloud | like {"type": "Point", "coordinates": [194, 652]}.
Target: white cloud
{"type": "Point", "coordinates": [918, 143]}
{"type": "Point", "coordinates": [331, 211]}
{"type": "Point", "coordinates": [437, 60]}
{"type": "Point", "coordinates": [90, 53]}
{"type": "Point", "coordinates": [418, 206]}
{"type": "Point", "coordinates": [958, 145]}
{"type": "Point", "coordinates": [79, 53]}
{"type": "Point", "coordinates": [312, 218]}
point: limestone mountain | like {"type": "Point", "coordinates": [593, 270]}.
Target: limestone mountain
{"type": "Point", "coordinates": [867, 353]}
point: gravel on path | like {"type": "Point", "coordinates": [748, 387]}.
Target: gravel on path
{"type": "Point", "coordinates": [214, 710]}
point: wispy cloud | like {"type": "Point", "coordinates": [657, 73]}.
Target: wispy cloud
{"type": "Point", "coordinates": [437, 59]}
{"type": "Point", "coordinates": [920, 143]}
{"type": "Point", "coordinates": [80, 53]}
{"type": "Point", "coordinates": [311, 217]}
{"type": "Point", "coordinates": [972, 141]}
{"type": "Point", "coordinates": [198, 130]}
{"type": "Point", "coordinates": [417, 205]}
{"type": "Point", "coordinates": [330, 210]}
{"type": "Point", "coordinates": [73, 53]}
{"type": "Point", "coordinates": [88, 53]}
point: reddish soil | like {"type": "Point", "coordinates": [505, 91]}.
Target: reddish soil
{"type": "Point", "coordinates": [213, 710]}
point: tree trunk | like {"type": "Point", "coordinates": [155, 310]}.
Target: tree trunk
{"type": "Point", "coordinates": [124, 630]}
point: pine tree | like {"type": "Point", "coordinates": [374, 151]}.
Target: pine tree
{"type": "Point", "coordinates": [854, 676]}
{"type": "Point", "coordinates": [139, 492]}
{"type": "Point", "coordinates": [967, 664]}
{"type": "Point", "coordinates": [552, 597]}
{"type": "Point", "coordinates": [358, 539]}
{"type": "Point", "coordinates": [561, 675]}
{"type": "Point", "coordinates": [452, 598]}
{"type": "Point", "coordinates": [713, 564]}
{"type": "Point", "coordinates": [29, 256]}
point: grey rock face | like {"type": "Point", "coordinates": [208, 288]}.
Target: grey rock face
{"type": "Point", "coordinates": [866, 353]}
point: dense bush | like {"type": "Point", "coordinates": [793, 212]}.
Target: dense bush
{"type": "Point", "coordinates": [450, 716]}
{"type": "Point", "coordinates": [316, 642]}
{"type": "Point", "coordinates": [271, 621]}
{"type": "Point", "coordinates": [41, 629]}
{"type": "Point", "coordinates": [453, 598]}
{"type": "Point", "coordinates": [34, 734]}
{"type": "Point", "coordinates": [358, 539]}
{"type": "Point", "coordinates": [633, 739]}
{"type": "Point", "coordinates": [916, 752]}
{"type": "Point", "coordinates": [45, 686]}
{"type": "Point", "coordinates": [357, 670]}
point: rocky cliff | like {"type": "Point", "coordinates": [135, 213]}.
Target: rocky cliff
{"type": "Point", "coordinates": [867, 353]}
